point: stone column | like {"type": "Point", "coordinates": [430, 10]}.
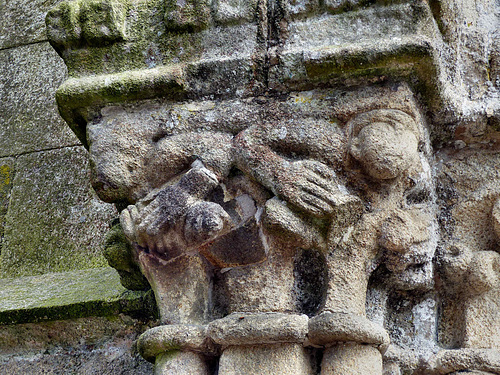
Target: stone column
{"type": "Point", "coordinates": [353, 344]}
{"type": "Point", "coordinates": [262, 343]}
{"type": "Point", "coordinates": [182, 289]}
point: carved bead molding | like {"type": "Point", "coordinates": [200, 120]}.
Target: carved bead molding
{"type": "Point", "coordinates": [277, 184]}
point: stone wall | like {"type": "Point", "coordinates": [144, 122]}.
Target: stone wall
{"type": "Point", "coordinates": [311, 73]}
{"type": "Point", "coordinates": [52, 226]}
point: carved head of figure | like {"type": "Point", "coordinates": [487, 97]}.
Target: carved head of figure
{"type": "Point", "coordinates": [385, 142]}
{"type": "Point", "coordinates": [387, 145]}
{"type": "Point", "coordinates": [409, 236]}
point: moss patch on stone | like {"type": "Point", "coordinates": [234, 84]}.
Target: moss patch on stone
{"type": "Point", "coordinates": [55, 223]}
{"type": "Point", "coordinates": [6, 176]}
{"type": "Point", "coordinates": [92, 292]}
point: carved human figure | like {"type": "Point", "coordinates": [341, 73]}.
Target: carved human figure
{"type": "Point", "coordinates": [303, 163]}
{"type": "Point", "coordinates": [472, 277]}
{"type": "Point", "coordinates": [389, 165]}
{"type": "Point", "coordinates": [384, 146]}
{"type": "Point", "coordinates": [167, 178]}
{"type": "Point", "coordinates": [174, 215]}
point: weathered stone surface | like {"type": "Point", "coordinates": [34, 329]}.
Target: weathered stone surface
{"type": "Point", "coordinates": [448, 361]}
{"type": "Point", "coordinates": [28, 113]}
{"type": "Point", "coordinates": [470, 261]}
{"type": "Point", "coordinates": [183, 286]}
{"type": "Point", "coordinates": [472, 30]}
{"type": "Point", "coordinates": [173, 337]}
{"type": "Point", "coordinates": [353, 45]}
{"type": "Point", "coordinates": [54, 223]}
{"type": "Point", "coordinates": [351, 359]}
{"type": "Point", "coordinates": [360, 134]}
{"type": "Point", "coordinates": [495, 218]}
{"type": "Point", "coordinates": [22, 22]}
{"type": "Point", "coordinates": [260, 328]}
{"type": "Point", "coordinates": [94, 345]}
{"type": "Point", "coordinates": [71, 24]}
{"type": "Point", "coordinates": [119, 254]}
{"type": "Point", "coordinates": [231, 11]}
{"type": "Point", "coordinates": [286, 359]}
{"type": "Point", "coordinates": [328, 328]}
{"type": "Point", "coordinates": [182, 363]}
{"type": "Point", "coordinates": [66, 295]}
{"type": "Point", "coordinates": [302, 160]}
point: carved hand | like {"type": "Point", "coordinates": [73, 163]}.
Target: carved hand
{"type": "Point", "coordinates": [309, 185]}
{"type": "Point", "coordinates": [175, 219]}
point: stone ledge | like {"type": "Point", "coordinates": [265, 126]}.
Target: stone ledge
{"type": "Point", "coordinates": [471, 360]}
{"type": "Point", "coordinates": [91, 292]}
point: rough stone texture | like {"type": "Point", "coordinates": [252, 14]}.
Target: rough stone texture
{"type": "Point", "coordinates": [22, 22]}
{"type": "Point", "coordinates": [48, 210]}
{"type": "Point", "coordinates": [327, 328]}
{"type": "Point", "coordinates": [478, 360]}
{"type": "Point", "coordinates": [54, 223]}
{"type": "Point", "coordinates": [182, 363]}
{"type": "Point", "coordinates": [128, 139]}
{"type": "Point", "coordinates": [358, 140]}
{"type": "Point", "coordinates": [250, 329]}
{"type": "Point", "coordinates": [95, 345]}
{"type": "Point", "coordinates": [471, 257]}
{"type": "Point", "coordinates": [351, 359]}
{"type": "Point", "coordinates": [28, 112]}
{"type": "Point", "coordinates": [472, 32]}
{"type": "Point", "coordinates": [286, 359]}
{"type": "Point", "coordinates": [173, 337]}
{"type": "Point", "coordinates": [66, 295]}
{"type": "Point", "coordinates": [185, 297]}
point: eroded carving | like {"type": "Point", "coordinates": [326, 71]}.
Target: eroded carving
{"type": "Point", "coordinates": [334, 195]}
{"type": "Point", "coordinates": [280, 193]}
{"type": "Point", "coordinates": [75, 23]}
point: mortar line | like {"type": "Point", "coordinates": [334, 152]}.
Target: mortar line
{"type": "Point", "coordinates": [22, 45]}
{"type": "Point", "coordinates": [42, 150]}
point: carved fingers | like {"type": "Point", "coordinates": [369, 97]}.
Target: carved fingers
{"type": "Point", "coordinates": [155, 224]}
{"type": "Point", "coordinates": [135, 226]}
{"type": "Point", "coordinates": [311, 186]}
{"type": "Point", "coordinates": [176, 218]}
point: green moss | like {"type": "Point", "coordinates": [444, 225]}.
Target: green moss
{"type": "Point", "coordinates": [95, 292]}
{"type": "Point", "coordinates": [412, 62]}
{"type": "Point", "coordinates": [91, 93]}
{"type": "Point", "coordinates": [5, 172]}
{"type": "Point", "coordinates": [63, 228]}
{"type": "Point", "coordinates": [344, 62]}
{"type": "Point", "coordinates": [63, 28]}
{"type": "Point", "coordinates": [119, 254]}
{"type": "Point", "coordinates": [193, 15]}
{"type": "Point", "coordinates": [6, 175]}
{"type": "Point", "coordinates": [103, 22]}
